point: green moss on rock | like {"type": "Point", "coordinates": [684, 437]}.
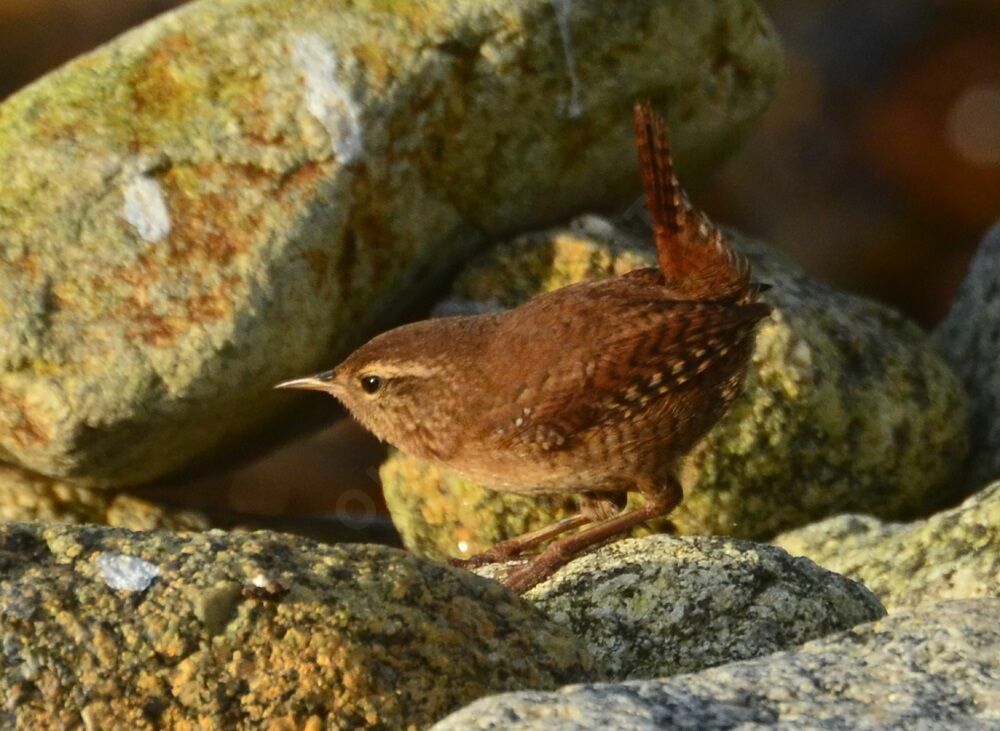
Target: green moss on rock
{"type": "Point", "coordinates": [663, 605]}
{"type": "Point", "coordinates": [954, 554]}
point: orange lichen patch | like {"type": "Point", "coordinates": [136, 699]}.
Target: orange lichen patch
{"type": "Point", "coordinates": [373, 56]}
{"type": "Point", "coordinates": [24, 429]}
{"type": "Point", "coordinates": [216, 217]}
{"type": "Point", "coordinates": [215, 223]}
{"type": "Point", "coordinates": [302, 177]}
{"type": "Point", "coordinates": [161, 329]}
{"type": "Point", "coordinates": [139, 275]}
{"type": "Point", "coordinates": [160, 89]}
{"type": "Point", "coordinates": [214, 304]}
{"type": "Point", "coordinates": [28, 264]}
{"type": "Point", "coordinates": [148, 326]}
{"type": "Point", "coordinates": [246, 94]}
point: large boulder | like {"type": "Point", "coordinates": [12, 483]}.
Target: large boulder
{"type": "Point", "coordinates": [237, 191]}
{"type": "Point", "coordinates": [661, 605]}
{"type": "Point", "coordinates": [969, 337]}
{"type": "Point", "coordinates": [952, 555]}
{"type": "Point", "coordinates": [933, 668]}
{"type": "Point", "coordinates": [848, 407]}
{"type": "Point", "coordinates": [105, 628]}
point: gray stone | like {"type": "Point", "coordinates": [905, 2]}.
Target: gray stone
{"type": "Point", "coordinates": [952, 555]}
{"type": "Point", "coordinates": [970, 339]}
{"type": "Point", "coordinates": [934, 668]}
{"type": "Point", "coordinates": [104, 628]}
{"type": "Point", "coordinates": [236, 192]}
{"type": "Point", "coordinates": [848, 408]}
{"type": "Point", "coordinates": [661, 605]}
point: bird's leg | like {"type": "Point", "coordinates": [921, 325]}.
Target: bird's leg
{"type": "Point", "coordinates": [659, 503]}
{"type": "Point", "coordinates": [594, 507]}
{"type": "Point", "coordinates": [514, 547]}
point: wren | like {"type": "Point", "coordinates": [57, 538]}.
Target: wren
{"type": "Point", "coordinates": [595, 389]}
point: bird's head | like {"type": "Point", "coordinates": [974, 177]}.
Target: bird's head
{"type": "Point", "coordinates": [398, 385]}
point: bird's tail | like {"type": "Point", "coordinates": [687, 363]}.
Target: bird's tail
{"type": "Point", "coordinates": [696, 260]}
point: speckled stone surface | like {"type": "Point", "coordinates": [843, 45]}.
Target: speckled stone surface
{"type": "Point", "coordinates": [660, 605]}
{"type": "Point", "coordinates": [104, 628]}
{"type": "Point", "coordinates": [848, 407]}
{"type": "Point", "coordinates": [970, 339]}
{"type": "Point", "coordinates": [236, 192]}
{"type": "Point", "coordinates": [933, 668]}
{"type": "Point", "coordinates": [28, 497]}
{"type": "Point", "coordinates": [952, 555]}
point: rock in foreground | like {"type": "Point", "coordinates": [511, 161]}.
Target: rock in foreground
{"type": "Point", "coordinates": [848, 407]}
{"type": "Point", "coordinates": [952, 555]}
{"type": "Point", "coordinates": [934, 668]}
{"type": "Point", "coordinates": [110, 629]}
{"type": "Point", "coordinates": [661, 605]}
{"type": "Point", "coordinates": [236, 192]}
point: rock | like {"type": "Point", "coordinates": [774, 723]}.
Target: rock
{"type": "Point", "coordinates": [472, 518]}
{"type": "Point", "coordinates": [106, 628]}
{"type": "Point", "coordinates": [969, 337]}
{"type": "Point", "coordinates": [28, 497]}
{"type": "Point", "coordinates": [238, 191]}
{"type": "Point", "coordinates": [848, 407]}
{"type": "Point", "coordinates": [933, 668]}
{"type": "Point", "coordinates": [952, 555]}
{"type": "Point", "coordinates": [661, 605]}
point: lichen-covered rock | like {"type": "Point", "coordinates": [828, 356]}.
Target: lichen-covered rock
{"type": "Point", "coordinates": [848, 407]}
{"type": "Point", "coordinates": [105, 628]}
{"type": "Point", "coordinates": [969, 337]}
{"type": "Point", "coordinates": [472, 518]}
{"type": "Point", "coordinates": [661, 605]}
{"type": "Point", "coordinates": [237, 191]}
{"type": "Point", "coordinates": [29, 497]}
{"type": "Point", "coordinates": [933, 668]}
{"type": "Point", "coordinates": [952, 555]}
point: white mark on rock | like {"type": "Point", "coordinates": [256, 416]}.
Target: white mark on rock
{"type": "Point", "coordinates": [146, 208]}
{"type": "Point", "coordinates": [126, 573]}
{"type": "Point", "coordinates": [563, 9]}
{"type": "Point", "coordinates": [326, 99]}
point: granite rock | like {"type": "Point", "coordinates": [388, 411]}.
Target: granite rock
{"type": "Point", "coordinates": [952, 555]}
{"type": "Point", "coordinates": [240, 190]}
{"type": "Point", "coordinates": [969, 337]}
{"type": "Point", "coordinates": [933, 668]}
{"type": "Point", "coordinates": [29, 497]}
{"type": "Point", "coordinates": [661, 605]}
{"type": "Point", "coordinates": [105, 628]}
{"type": "Point", "coordinates": [848, 407]}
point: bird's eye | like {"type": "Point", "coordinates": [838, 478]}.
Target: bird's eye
{"type": "Point", "coordinates": [370, 384]}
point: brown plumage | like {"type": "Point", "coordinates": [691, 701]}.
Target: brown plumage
{"type": "Point", "coordinates": [597, 388]}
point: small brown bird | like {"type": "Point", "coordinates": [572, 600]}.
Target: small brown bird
{"type": "Point", "coordinates": [597, 388]}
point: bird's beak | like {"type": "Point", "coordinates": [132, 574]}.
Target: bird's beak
{"type": "Point", "coordinates": [319, 382]}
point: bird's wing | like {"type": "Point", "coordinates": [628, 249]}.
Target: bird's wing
{"type": "Point", "coordinates": [660, 347]}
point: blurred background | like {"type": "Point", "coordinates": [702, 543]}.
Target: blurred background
{"type": "Point", "coordinates": [877, 169]}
